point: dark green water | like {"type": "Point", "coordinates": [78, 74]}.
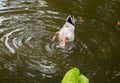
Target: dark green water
{"type": "Point", "coordinates": [28, 56]}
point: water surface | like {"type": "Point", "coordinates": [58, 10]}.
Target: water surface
{"type": "Point", "coordinates": [27, 54]}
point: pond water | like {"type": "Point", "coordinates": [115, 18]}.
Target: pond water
{"type": "Point", "coordinates": [27, 54]}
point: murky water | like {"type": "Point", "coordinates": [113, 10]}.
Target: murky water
{"type": "Point", "coordinates": [27, 54]}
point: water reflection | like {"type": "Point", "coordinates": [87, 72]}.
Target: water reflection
{"type": "Point", "coordinates": [3, 3]}
{"type": "Point", "coordinates": [28, 55]}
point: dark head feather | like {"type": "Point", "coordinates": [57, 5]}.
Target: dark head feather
{"type": "Point", "coordinates": [71, 19]}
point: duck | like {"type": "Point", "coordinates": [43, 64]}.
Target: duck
{"type": "Point", "coordinates": [66, 33]}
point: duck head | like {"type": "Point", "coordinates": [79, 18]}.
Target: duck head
{"type": "Point", "coordinates": [70, 19]}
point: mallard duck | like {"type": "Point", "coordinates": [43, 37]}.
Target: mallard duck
{"type": "Point", "coordinates": [66, 33]}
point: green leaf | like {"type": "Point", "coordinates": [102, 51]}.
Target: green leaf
{"type": "Point", "coordinates": [71, 76]}
{"type": "Point", "coordinates": [83, 79]}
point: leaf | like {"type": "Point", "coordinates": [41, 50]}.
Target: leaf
{"type": "Point", "coordinates": [83, 79]}
{"type": "Point", "coordinates": [71, 76]}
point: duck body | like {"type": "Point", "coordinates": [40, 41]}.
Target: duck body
{"type": "Point", "coordinates": [66, 33]}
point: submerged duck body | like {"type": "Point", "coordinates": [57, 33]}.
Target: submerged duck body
{"type": "Point", "coordinates": [66, 33]}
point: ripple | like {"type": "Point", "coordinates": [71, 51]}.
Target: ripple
{"type": "Point", "coordinates": [3, 3]}
{"type": "Point", "coordinates": [52, 48]}
{"type": "Point", "coordinates": [2, 18]}
{"type": "Point", "coordinates": [15, 42]}
{"type": "Point", "coordinates": [28, 42]}
{"type": "Point", "coordinates": [6, 38]}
